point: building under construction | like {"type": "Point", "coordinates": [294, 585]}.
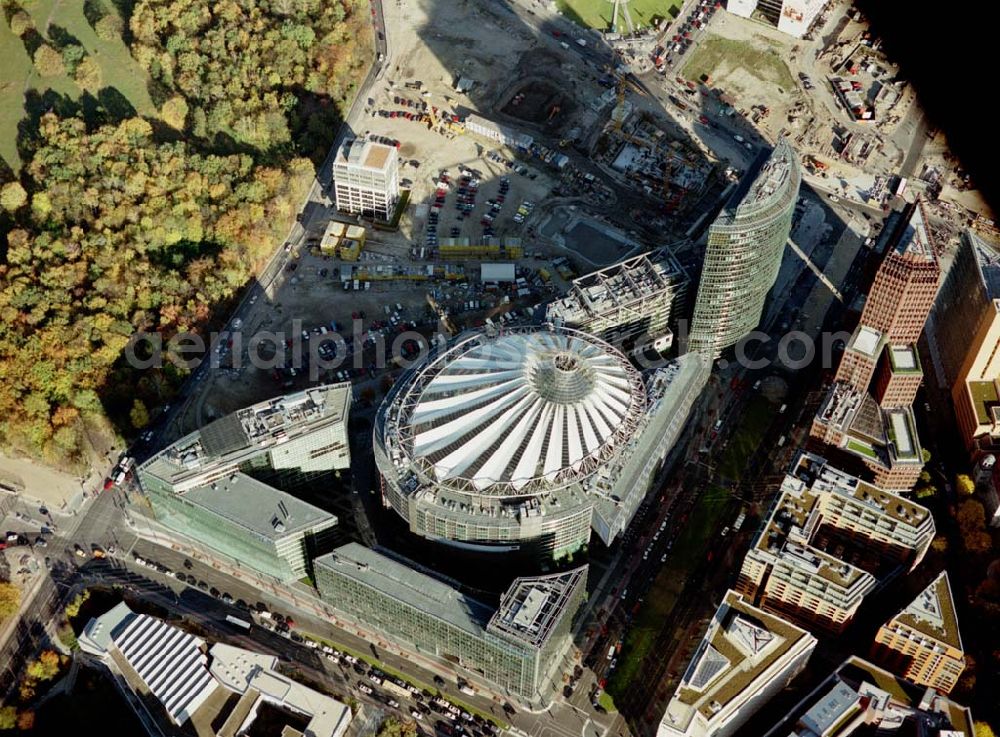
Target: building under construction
{"type": "Point", "coordinates": [628, 304]}
{"type": "Point", "coordinates": [655, 163]}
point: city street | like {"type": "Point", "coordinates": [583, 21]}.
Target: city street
{"type": "Point", "coordinates": [819, 278]}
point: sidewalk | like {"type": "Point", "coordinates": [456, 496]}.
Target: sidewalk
{"type": "Point", "coordinates": [312, 605]}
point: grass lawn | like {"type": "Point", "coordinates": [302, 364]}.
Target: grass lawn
{"type": "Point", "coordinates": [118, 69]}
{"type": "Point", "coordinates": [606, 702]}
{"type": "Point", "coordinates": [668, 586]}
{"type": "Point", "coordinates": [718, 57]}
{"type": "Point", "coordinates": [744, 441]}
{"type": "Point", "coordinates": [597, 13]}
{"type": "Point", "coordinates": [16, 69]}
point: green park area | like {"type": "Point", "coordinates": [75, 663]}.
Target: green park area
{"type": "Point", "coordinates": [733, 63]}
{"type": "Point", "coordinates": [688, 548]}
{"type": "Point", "coordinates": [753, 421]}
{"type": "Point", "coordinates": [597, 13]}
{"type": "Point", "coordinates": [83, 63]}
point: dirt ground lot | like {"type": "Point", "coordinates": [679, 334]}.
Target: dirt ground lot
{"type": "Point", "coordinates": [748, 61]}
{"type": "Point", "coordinates": [435, 42]}
{"type": "Point", "coordinates": [307, 300]}
{"type": "Point", "coordinates": [537, 101]}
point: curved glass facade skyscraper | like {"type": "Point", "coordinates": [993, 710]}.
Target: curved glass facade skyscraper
{"type": "Point", "coordinates": [744, 250]}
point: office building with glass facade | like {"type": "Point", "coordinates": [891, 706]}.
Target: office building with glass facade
{"type": "Point", "coordinates": [507, 441]}
{"type": "Point", "coordinates": [207, 485]}
{"type": "Point", "coordinates": [515, 649]}
{"type": "Point", "coordinates": [745, 245]}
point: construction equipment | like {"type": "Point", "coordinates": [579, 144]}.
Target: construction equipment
{"type": "Point", "coordinates": [814, 163]}
{"type": "Point", "coordinates": [442, 315]}
{"type": "Point", "coordinates": [443, 122]}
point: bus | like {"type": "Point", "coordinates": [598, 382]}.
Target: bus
{"type": "Point", "coordinates": [237, 622]}
{"type": "Point", "coordinates": [395, 689]}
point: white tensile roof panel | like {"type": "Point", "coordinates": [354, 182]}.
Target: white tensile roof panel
{"type": "Point", "coordinates": [523, 406]}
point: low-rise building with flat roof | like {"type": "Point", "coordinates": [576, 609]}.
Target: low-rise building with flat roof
{"type": "Point", "coordinates": [516, 649]}
{"type": "Point", "coordinates": [152, 658]}
{"type": "Point", "coordinates": [746, 657]}
{"type": "Point", "coordinates": [505, 135]}
{"type": "Point", "coordinates": [255, 678]}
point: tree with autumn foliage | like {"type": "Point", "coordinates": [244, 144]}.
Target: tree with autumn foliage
{"type": "Point", "coordinates": [117, 227]}
{"type": "Point", "coordinates": [123, 234]}
{"type": "Point", "coordinates": [240, 68]}
{"type": "Point", "coordinates": [983, 729]}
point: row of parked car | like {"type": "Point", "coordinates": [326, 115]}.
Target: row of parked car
{"type": "Point", "coordinates": [389, 689]}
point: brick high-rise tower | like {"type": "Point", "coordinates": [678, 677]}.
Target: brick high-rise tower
{"type": "Point", "coordinates": [899, 301]}
{"type": "Point", "coordinates": [872, 422]}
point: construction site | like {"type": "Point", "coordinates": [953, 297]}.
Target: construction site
{"type": "Point", "coordinates": [537, 101]}
{"type": "Point", "coordinates": [523, 169]}
{"type": "Point", "coordinates": [652, 161]}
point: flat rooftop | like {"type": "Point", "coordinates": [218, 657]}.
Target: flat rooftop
{"type": "Point", "coordinates": [837, 704]}
{"type": "Point", "coordinates": [365, 154]}
{"type": "Point", "coordinates": [741, 646]}
{"type": "Point", "coordinates": [872, 498]}
{"type": "Point", "coordinates": [630, 283]}
{"type": "Point", "coordinates": [985, 399]}
{"type": "Point", "coordinates": [932, 613]}
{"type": "Point", "coordinates": [785, 538]}
{"type": "Point", "coordinates": [253, 675]}
{"type": "Point", "coordinates": [257, 507]}
{"type": "Point", "coordinates": [867, 340]}
{"type": "Point", "coordinates": [904, 359]}
{"type": "Point", "coordinates": [413, 588]}
{"type": "Point", "coordinates": [903, 434]}
{"type": "Point", "coordinates": [248, 432]}
{"type": "Point", "coordinates": [532, 608]}
{"type": "Point", "coordinates": [892, 706]}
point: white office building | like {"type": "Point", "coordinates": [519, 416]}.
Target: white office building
{"type": "Point", "coordinates": [746, 657]}
{"type": "Point", "coordinates": [152, 656]}
{"type": "Point", "coordinates": [366, 179]}
{"type": "Point", "coordinates": [793, 17]}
